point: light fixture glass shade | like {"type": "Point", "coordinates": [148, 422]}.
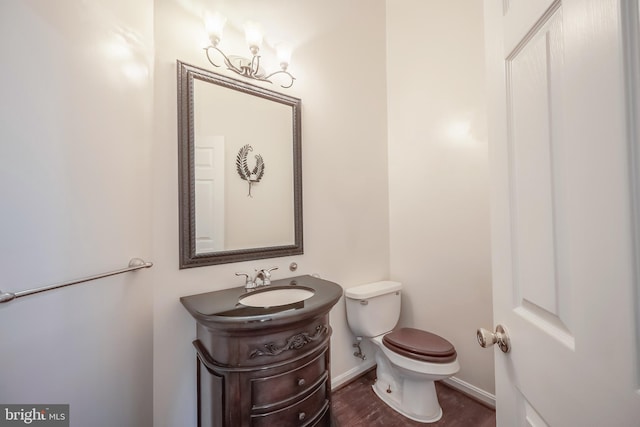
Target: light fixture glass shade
{"type": "Point", "coordinates": [253, 35]}
{"type": "Point", "coordinates": [283, 50]}
{"type": "Point", "coordinates": [214, 25]}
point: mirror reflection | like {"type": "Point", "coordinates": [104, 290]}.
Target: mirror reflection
{"type": "Point", "coordinates": [240, 170]}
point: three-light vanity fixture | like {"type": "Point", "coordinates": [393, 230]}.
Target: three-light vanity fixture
{"type": "Point", "coordinates": [245, 67]}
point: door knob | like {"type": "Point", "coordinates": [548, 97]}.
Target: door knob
{"type": "Point", "coordinates": [500, 337]}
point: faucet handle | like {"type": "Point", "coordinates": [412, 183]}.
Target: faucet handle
{"type": "Point", "coordinates": [266, 275]}
{"type": "Point", "coordinates": [248, 282]}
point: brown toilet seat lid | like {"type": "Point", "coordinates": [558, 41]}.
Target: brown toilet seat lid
{"type": "Point", "coordinates": [420, 345]}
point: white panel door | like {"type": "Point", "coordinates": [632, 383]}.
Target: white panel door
{"type": "Point", "coordinates": [562, 212]}
{"type": "Point", "coordinates": [209, 187]}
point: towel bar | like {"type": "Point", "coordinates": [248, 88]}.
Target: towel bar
{"type": "Point", "coordinates": [134, 264]}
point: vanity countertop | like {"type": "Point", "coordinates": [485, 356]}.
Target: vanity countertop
{"type": "Point", "coordinates": [222, 308]}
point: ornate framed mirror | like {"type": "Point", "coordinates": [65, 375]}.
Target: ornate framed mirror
{"type": "Point", "coordinates": [240, 170]}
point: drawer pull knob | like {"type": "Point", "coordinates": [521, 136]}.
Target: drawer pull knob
{"type": "Point", "coordinates": [302, 416]}
{"type": "Point", "coordinates": [301, 381]}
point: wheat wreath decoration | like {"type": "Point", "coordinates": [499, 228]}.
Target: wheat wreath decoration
{"type": "Point", "coordinates": [251, 176]}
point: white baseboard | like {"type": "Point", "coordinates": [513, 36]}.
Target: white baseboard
{"type": "Point", "coordinates": [352, 373]}
{"type": "Point", "coordinates": [472, 391]}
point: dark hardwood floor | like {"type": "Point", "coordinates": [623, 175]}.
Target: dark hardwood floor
{"type": "Point", "coordinates": [356, 405]}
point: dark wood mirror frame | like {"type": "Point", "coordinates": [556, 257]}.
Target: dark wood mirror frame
{"type": "Point", "coordinates": [188, 256]}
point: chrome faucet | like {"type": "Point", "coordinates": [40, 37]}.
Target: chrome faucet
{"type": "Point", "coordinates": [262, 278]}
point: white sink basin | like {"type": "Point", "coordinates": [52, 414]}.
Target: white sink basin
{"type": "Point", "coordinates": [276, 297]}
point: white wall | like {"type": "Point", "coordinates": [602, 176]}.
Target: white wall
{"type": "Point", "coordinates": [338, 60]}
{"type": "Point", "coordinates": [75, 127]}
{"type": "Point", "coordinates": [438, 174]}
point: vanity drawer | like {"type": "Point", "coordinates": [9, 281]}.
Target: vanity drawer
{"type": "Point", "coordinates": [269, 391]}
{"type": "Point", "coordinates": [256, 348]}
{"type": "Point", "coordinates": [303, 413]}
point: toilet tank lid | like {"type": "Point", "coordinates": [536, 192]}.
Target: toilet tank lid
{"type": "Point", "coordinates": [370, 290]}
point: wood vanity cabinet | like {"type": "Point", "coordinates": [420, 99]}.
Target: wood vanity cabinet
{"type": "Point", "coordinates": [270, 369]}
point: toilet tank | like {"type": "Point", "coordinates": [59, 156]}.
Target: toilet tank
{"type": "Point", "coordinates": [374, 308]}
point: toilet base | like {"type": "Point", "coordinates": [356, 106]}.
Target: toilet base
{"type": "Point", "coordinates": [384, 396]}
{"type": "Point", "coordinates": [412, 397]}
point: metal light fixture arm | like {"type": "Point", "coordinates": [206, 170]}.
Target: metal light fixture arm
{"type": "Point", "coordinates": [281, 72]}
{"type": "Point", "coordinates": [251, 71]}
{"type": "Point", "coordinates": [227, 61]}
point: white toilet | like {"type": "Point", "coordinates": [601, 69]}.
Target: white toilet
{"type": "Point", "coordinates": [409, 360]}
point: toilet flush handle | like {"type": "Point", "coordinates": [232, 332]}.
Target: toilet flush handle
{"type": "Point", "coordinates": [500, 336]}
